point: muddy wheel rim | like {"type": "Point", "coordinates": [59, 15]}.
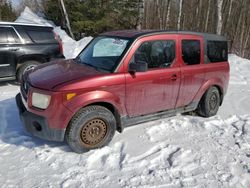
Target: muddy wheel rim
{"type": "Point", "coordinates": [213, 102]}
{"type": "Point", "coordinates": [93, 132]}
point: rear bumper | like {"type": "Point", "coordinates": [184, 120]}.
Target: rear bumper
{"type": "Point", "coordinates": [37, 125]}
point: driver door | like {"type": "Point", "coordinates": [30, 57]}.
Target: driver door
{"type": "Point", "coordinates": [156, 89]}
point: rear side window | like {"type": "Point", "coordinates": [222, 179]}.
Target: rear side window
{"type": "Point", "coordinates": [191, 53]}
{"type": "Point", "coordinates": [217, 51]}
{"type": "Point", "coordinates": [40, 35]}
{"type": "Point", "coordinates": [3, 35]}
{"type": "Point", "coordinates": [158, 54]}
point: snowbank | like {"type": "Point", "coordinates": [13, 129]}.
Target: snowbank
{"type": "Point", "coordinates": [182, 151]}
{"type": "Point", "coordinates": [71, 48]}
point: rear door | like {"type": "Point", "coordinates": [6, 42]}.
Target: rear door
{"type": "Point", "coordinates": [192, 68]}
{"type": "Point", "coordinates": [156, 89]}
{"type": "Point", "coordinates": [9, 49]}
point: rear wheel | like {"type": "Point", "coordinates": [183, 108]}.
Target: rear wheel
{"type": "Point", "coordinates": [209, 103]}
{"type": "Point", "coordinates": [26, 66]}
{"type": "Point", "coordinates": [92, 127]}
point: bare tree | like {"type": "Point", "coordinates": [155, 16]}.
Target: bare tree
{"type": "Point", "coordinates": [159, 14]}
{"type": "Point", "coordinates": [208, 14]}
{"type": "Point", "coordinates": [168, 13]}
{"type": "Point", "coordinates": [141, 6]}
{"type": "Point", "coordinates": [219, 16]}
{"type": "Point", "coordinates": [229, 12]}
{"type": "Point", "coordinates": [179, 15]}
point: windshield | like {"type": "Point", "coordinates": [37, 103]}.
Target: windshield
{"type": "Point", "coordinates": [103, 53]}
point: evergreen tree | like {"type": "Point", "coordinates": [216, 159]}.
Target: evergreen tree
{"type": "Point", "coordinates": [6, 11]}
{"type": "Point", "coordinates": [91, 17]}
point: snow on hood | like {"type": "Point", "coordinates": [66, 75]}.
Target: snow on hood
{"type": "Point", "coordinates": [71, 48]}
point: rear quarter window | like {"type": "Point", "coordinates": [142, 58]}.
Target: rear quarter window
{"type": "Point", "coordinates": [191, 50]}
{"type": "Point", "coordinates": [41, 35]}
{"type": "Point", "coordinates": [217, 51]}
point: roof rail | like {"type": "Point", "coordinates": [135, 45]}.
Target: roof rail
{"type": "Point", "coordinates": [26, 24]}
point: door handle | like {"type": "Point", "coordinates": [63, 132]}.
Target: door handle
{"type": "Point", "coordinates": [14, 49]}
{"type": "Point", "coordinates": [173, 77]}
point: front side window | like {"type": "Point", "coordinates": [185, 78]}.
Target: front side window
{"type": "Point", "coordinates": [103, 53]}
{"type": "Point", "coordinates": [217, 51]}
{"type": "Point", "coordinates": [158, 54]}
{"type": "Point", "coordinates": [191, 52]}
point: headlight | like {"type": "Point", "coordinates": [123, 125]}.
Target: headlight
{"type": "Point", "coordinates": [40, 100]}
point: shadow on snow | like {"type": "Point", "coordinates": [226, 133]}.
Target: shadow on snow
{"type": "Point", "coordinates": [13, 132]}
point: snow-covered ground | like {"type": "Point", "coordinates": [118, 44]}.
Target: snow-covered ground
{"type": "Point", "coordinates": [182, 151]}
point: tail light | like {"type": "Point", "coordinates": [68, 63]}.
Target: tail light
{"type": "Point", "coordinates": [59, 40]}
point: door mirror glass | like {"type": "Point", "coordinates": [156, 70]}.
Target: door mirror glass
{"type": "Point", "coordinates": [139, 66]}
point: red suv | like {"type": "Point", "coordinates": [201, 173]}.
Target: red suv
{"type": "Point", "coordinates": [124, 78]}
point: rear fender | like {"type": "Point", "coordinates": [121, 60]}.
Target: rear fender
{"type": "Point", "coordinates": [206, 86]}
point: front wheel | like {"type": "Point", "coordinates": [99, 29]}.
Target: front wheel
{"type": "Point", "coordinates": [209, 103]}
{"type": "Point", "coordinates": [92, 127]}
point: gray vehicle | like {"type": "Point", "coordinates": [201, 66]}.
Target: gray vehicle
{"type": "Point", "coordinates": [24, 46]}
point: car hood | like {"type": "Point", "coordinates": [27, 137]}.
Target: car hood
{"type": "Point", "coordinates": [50, 75]}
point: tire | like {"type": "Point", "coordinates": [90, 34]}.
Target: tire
{"type": "Point", "coordinates": [25, 67]}
{"type": "Point", "coordinates": [209, 103]}
{"type": "Point", "coordinates": [90, 128]}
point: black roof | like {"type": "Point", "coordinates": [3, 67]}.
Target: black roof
{"type": "Point", "coordinates": [139, 33]}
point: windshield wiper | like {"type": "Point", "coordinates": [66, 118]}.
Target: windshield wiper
{"type": "Point", "coordinates": [77, 60]}
{"type": "Point", "coordinates": [89, 65]}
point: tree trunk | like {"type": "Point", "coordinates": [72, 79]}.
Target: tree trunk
{"type": "Point", "coordinates": [246, 42]}
{"type": "Point", "coordinates": [66, 18]}
{"type": "Point", "coordinates": [208, 14]}
{"type": "Point", "coordinates": [199, 12]}
{"type": "Point", "coordinates": [141, 14]}
{"type": "Point", "coordinates": [179, 16]}
{"type": "Point", "coordinates": [219, 16]}
{"type": "Point", "coordinates": [168, 13]}
{"type": "Point", "coordinates": [159, 14]}
{"type": "Point", "coordinates": [229, 14]}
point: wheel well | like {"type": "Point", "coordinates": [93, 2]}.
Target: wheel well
{"type": "Point", "coordinates": [31, 58]}
{"type": "Point", "coordinates": [113, 110]}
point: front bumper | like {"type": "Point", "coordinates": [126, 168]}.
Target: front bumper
{"type": "Point", "coordinates": [37, 125]}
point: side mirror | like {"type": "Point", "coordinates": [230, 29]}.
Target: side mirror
{"type": "Point", "coordinates": [139, 66]}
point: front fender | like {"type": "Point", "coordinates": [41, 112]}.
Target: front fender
{"type": "Point", "coordinates": [89, 98]}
